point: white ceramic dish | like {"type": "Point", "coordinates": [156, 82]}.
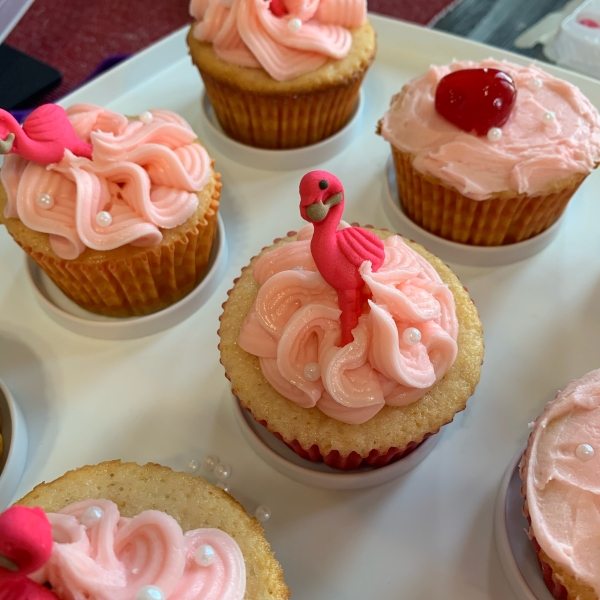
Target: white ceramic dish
{"type": "Point", "coordinates": [68, 314]}
{"type": "Point", "coordinates": [453, 252]}
{"type": "Point", "coordinates": [514, 547]}
{"type": "Point", "coordinates": [14, 455]}
{"type": "Point", "coordinates": [286, 461]}
{"type": "Point", "coordinates": [277, 160]}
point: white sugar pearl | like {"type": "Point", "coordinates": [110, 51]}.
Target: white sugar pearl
{"type": "Point", "coordinates": [150, 592]}
{"type": "Point", "coordinates": [295, 25]}
{"type": "Point", "coordinates": [192, 466]}
{"type": "Point", "coordinates": [584, 452]}
{"type": "Point", "coordinates": [45, 201]}
{"type": "Point", "coordinates": [535, 84]}
{"type": "Point", "coordinates": [411, 336]}
{"type": "Point", "coordinates": [548, 117]}
{"type": "Point", "coordinates": [263, 513]}
{"type": "Point", "coordinates": [210, 462]}
{"type": "Point", "coordinates": [312, 371]}
{"type": "Point", "coordinates": [205, 555]}
{"type": "Point", "coordinates": [222, 471]}
{"type": "Point", "coordinates": [146, 117]}
{"type": "Point", "coordinates": [494, 134]}
{"type": "Point", "coordinates": [104, 218]}
{"type": "Point", "coordinates": [91, 516]}
{"type": "Point", "coordinates": [223, 485]}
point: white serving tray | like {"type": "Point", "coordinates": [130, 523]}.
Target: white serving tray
{"type": "Point", "coordinates": [163, 398]}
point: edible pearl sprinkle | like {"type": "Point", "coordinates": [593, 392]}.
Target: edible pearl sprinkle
{"type": "Point", "coordinates": [411, 336]}
{"type": "Point", "coordinates": [146, 117]}
{"type": "Point", "coordinates": [150, 592]}
{"type": "Point", "coordinates": [263, 513]}
{"type": "Point", "coordinates": [584, 452]}
{"type": "Point", "coordinates": [210, 462]}
{"type": "Point", "coordinates": [494, 134]}
{"type": "Point", "coordinates": [91, 516]}
{"type": "Point", "coordinates": [295, 25]}
{"type": "Point", "coordinates": [312, 371]}
{"type": "Point", "coordinates": [535, 84]}
{"type": "Point", "coordinates": [103, 218]}
{"type": "Point", "coordinates": [45, 201]}
{"type": "Point", "coordinates": [222, 471]}
{"type": "Point", "coordinates": [223, 485]}
{"type": "Point", "coordinates": [192, 467]}
{"type": "Point", "coordinates": [205, 555]}
{"type": "Point", "coordinates": [548, 117]}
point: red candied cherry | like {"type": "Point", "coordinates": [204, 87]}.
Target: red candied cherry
{"type": "Point", "coordinates": [476, 99]}
{"type": "Point", "coordinates": [277, 7]}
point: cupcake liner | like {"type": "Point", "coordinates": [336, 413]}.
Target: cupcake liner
{"type": "Point", "coordinates": [281, 121]}
{"type": "Point", "coordinates": [146, 282]}
{"type": "Point", "coordinates": [500, 220]}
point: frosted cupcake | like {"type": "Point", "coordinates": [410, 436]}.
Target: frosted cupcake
{"type": "Point", "coordinates": [351, 345]}
{"type": "Point", "coordinates": [281, 73]}
{"type": "Point", "coordinates": [119, 531]}
{"type": "Point", "coordinates": [490, 153]}
{"type": "Point", "coordinates": [561, 478]}
{"type": "Point", "coordinates": [119, 212]}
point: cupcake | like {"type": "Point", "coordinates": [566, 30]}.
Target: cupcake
{"type": "Point", "coordinates": [561, 477]}
{"type": "Point", "coordinates": [351, 345]}
{"type": "Point", "coordinates": [120, 531]}
{"type": "Point", "coordinates": [281, 73]}
{"type": "Point", "coordinates": [489, 153]}
{"type": "Point", "coordinates": [121, 213]}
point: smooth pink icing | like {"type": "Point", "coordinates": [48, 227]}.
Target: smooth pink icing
{"type": "Point", "coordinates": [563, 491]}
{"type": "Point", "coordinates": [295, 320]}
{"type": "Point", "coordinates": [145, 175]}
{"type": "Point", "coordinates": [530, 154]}
{"type": "Point", "coordinates": [113, 559]}
{"type": "Point", "coordinates": [248, 34]}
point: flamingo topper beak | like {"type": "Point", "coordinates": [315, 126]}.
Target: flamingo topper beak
{"type": "Point", "coordinates": [318, 211]}
{"type": "Point", "coordinates": [7, 144]}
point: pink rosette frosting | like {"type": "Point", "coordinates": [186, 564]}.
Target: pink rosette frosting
{"type": "Point", "coordinates": [531, 153]}
{"type": "Point", "coordinates": [561, 470]}
{"type": "Point", "coordinates": [116, 557]}
{"type": "Point", "coordinates": [294, 329]}
{"type": "Point", "coordinates": [146, 174]}
{"type": "Point", "coordinates": [248, 34]}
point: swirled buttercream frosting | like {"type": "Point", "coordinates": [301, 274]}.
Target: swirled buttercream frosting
{"type": "Point", "coordinates": [144, 174]}
{"type": "Point", "coordinates": [113, 557]}
{"type": "Point", "coordinates": [553, 132]}
{"type": "Point", "coordinates": [298, 38]}
{"type": "Point", "coordinates": [561, 471]}
{"type": "Point", "coordinates": [294, 329]}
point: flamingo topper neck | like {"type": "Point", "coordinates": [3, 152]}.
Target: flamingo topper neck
{"type": "Point", "coordinates": [338, 254]}
{"type": "Point", "coordinates": [45, 136]}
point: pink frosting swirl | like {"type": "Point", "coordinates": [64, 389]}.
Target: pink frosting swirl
{"type": "Point", "coordinates": [562, 484]}
{"type": "Point", "coordinates": [114, 558]}
{"type": "Point", "coordinates": [145, 174]}
{"type": "Point", "coordinates": [248, 34]}
{"type": "Point", "coordinates": [294, 329]}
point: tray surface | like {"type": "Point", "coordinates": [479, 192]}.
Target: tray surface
{"type": "Point", "coordinates": [164, 398]}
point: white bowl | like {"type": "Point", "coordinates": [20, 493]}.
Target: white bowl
{"type": "Point", "coordinates": [277, 160]}
{"type": "Point", "coordinates": [14, 455]}
{"type": "Point", "coordinates": [516, 550]}
{"type": "Point", "coordinates": [453, 252]}
{"type": "Point", "coordinates": [283, 459]}
{"type": "Point", "coordinates": [71, 316]}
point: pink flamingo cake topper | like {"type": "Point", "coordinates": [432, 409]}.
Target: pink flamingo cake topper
{"type": "Point", "coordinates": [44, 137]}
{"type": "Point", "coordinates": [338, 254]}
{"type": "Point", "coordinates": [26, 543]}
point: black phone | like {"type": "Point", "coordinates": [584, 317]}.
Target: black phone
{"type": "Point", "coordinates": [23, 79]}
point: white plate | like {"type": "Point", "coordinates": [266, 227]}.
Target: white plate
{"type": "Point", "coordinates": [286, 461]}
{"type": "Point", "coordinates": [462, 254]}
{"type": "Point", "coordinates": [14, 455]}
{"type": "Point", "coordinates": [277, 160]}
{"type": "Point", "coordinates": [68, 314]}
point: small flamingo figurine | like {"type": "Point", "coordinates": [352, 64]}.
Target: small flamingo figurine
{"type": "Point", "coordinates": [26, 542]}
{"type": "Point", "coordinates": [338, 253]}
{"type": "Point", "coordinates": [44, 137]}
